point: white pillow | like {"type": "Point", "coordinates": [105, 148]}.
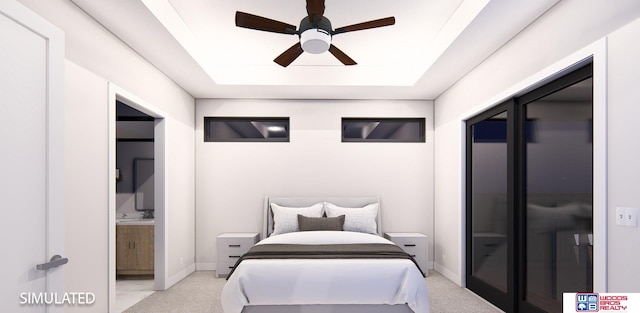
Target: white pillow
{"type": "Point", "coordinates": [356, 219]}
{"type": "Point", "coordinates": [285, 219]}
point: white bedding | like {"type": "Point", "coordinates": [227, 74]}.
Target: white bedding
{"type": "Point", "coordinates": [324, 281]}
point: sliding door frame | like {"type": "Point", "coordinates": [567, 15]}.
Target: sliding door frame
{"type": "Point", "coordinates": [505, 301]}
{"type": "Point", "coordinates": [513, 300]}
{"type": "Point", "coordinates": [577, 75]}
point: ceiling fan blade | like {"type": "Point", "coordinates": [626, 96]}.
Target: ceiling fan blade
{"type": "Point", "coordinates": [341, 56]}
{"type": "Point", "coordinates": [387, 21]}
{"type": "Point", "coordinates": [315, 9]}
{"type": "Point", "coordinates": [251, 21]}
{"type": "Point", "coordinates": [290, 55]}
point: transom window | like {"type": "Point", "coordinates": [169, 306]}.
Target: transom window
{"type": "Point", "coordinates": [243, 129]}
{"type": "Point", "coordinates": [383, 129]}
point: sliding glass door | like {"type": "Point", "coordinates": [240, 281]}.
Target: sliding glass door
{"type": "Point", "coordinates": [490, 204]}
{"type": "Point", "coordinates": [529, 197]}
{"type": "Point", "coordinates": [558, 184]}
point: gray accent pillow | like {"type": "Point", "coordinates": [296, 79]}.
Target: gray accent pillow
{"type": "Point", "coordinates": [320, 223]}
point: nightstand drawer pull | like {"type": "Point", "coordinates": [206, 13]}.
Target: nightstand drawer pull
{"type": "Point", "coordinates": [231, 267]}
{"type": "Point", "coordinates": [234, 246]}
{"type": "Point", "coordinates": [413, 255]}
{"type": "Point", "coordinates": [234, 256]}
{"type": "Point", "coordinates": [410, 245]}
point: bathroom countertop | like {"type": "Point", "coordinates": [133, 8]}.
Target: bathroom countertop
{"type": "Point", "coordinates": [135, 221]}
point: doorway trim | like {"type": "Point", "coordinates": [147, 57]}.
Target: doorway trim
{"type": "Point", "coordinates": [596, 53]}
{"type": "Point", "coordinates": [160, 171]}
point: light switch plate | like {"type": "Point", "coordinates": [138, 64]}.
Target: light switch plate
{"type": "Point", "coordinates": [620, 214]}
{"type": "Point", "coordinates": [631, 217]}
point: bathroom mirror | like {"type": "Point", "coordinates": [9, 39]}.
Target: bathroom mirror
{"type": "Point", "coordinates": [143, 184]}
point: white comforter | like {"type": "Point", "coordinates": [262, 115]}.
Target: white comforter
{"type": "Point", "coordinates": [323, 281]}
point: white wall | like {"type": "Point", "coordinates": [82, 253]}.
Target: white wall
{"type": "Point", "coordinates": [623, 152]}
{"type": "Point", "coordinates": [95, 58]}
{"type": "Point", "coordinates": [233, 178]}
{"type": "Point", "coordinates": [564, 30]}
{"type": "Point", "coordinates": [86, 228]}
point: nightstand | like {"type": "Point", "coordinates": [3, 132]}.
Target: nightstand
{"type": "Point", "coordinates": [231, 246]}
{"type": "Point", "coordinates": [413, 243]}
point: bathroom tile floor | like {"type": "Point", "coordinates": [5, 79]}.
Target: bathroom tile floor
{"type": "Point", "coordinates": [130, 292]}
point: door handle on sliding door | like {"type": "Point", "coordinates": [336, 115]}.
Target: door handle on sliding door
{"type": "Point", "coordinates": [55, 261]}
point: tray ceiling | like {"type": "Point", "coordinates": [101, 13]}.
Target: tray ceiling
{"type": "Point", "coordinates": [432, 45]}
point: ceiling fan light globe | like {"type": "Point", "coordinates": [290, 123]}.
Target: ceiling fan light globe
{"type": "Point", "coordinates": [315, 40]}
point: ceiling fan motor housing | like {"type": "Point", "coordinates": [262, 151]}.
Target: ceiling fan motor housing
{"type": "Point", "coordinates": [315, 38]}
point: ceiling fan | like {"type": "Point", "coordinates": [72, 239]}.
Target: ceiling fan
{"type": "Point", "coordinates": [315, 32]}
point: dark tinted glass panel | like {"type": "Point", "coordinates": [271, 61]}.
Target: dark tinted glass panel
{"type": "Point", "coordinates": [495, 130]}
{"type": "Point", "coordinates": [383, 130]}
{"type": "Point", "coordinates": [225, 129]}
{"type": "Point", "coordinates": [489, 188]}
{"type": "Point", "coordinates": [558, 194]}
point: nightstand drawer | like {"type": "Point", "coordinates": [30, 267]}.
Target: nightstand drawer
{"type": "Point", "coordinates": [410, 244]}
{"type": "Point", "coordinates": [414, 244]}
{"type": "Point", "coordinates": [231, 246]}
{"type": "Point", "coordinates": [225, 266]}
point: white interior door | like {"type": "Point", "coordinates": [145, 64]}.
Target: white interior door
{"type": "Point", "coordinates": [31, 160]}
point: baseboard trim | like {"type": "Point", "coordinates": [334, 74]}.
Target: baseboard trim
{"type": "Point", "coordinates": [180, 275]}
{"type": "Point", "coordinates": [455, 278]}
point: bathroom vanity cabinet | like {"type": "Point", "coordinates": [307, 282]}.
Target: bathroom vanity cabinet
{"type": "Point", "coordinates": [134, 250]}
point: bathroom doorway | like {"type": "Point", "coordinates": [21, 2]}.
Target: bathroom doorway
{"type": "Point", "coordinates": [134, 205]}
{"type": "Point", "coordinates": [136, 200]}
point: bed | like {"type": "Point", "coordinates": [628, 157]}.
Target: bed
{"type": "Point", "coordinates": [272, 278]}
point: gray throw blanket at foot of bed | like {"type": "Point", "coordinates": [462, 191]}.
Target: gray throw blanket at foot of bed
{"type": "Point", "coordinates": [332, 251]}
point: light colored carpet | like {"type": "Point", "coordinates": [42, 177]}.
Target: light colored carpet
{"type": "Point", "coordinates": [200, 293]}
